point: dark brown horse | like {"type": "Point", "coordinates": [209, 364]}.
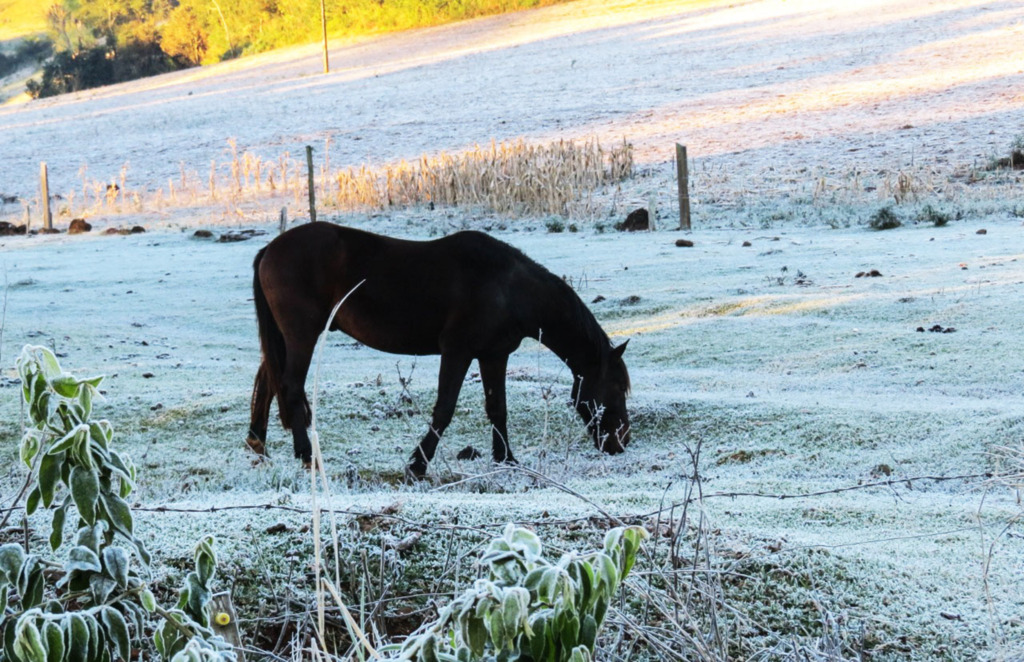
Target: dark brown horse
{"type": "Point", "coordinates": [466, 296]}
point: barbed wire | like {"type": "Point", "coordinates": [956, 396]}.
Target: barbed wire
{"type": "Point", "coordinates": [603, 513]}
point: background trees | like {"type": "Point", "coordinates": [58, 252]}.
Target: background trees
{"type": "Point", "coordinates": [99, 42]}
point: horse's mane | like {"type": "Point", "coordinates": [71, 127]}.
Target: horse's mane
{"type": "Point", "coordinates": [591, 330]}
{"type": "Point", "coordinates": [553, 292]}
{"type": "Point", "coordinates": [561, 294]}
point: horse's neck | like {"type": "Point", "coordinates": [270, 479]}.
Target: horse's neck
{"type": "Point", "coordinates": [567, 339]}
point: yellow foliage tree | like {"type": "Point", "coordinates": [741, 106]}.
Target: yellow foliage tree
{"type": "Point", "coordinates": [184, 36]}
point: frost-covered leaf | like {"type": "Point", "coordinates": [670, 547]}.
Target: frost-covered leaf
{"type": "Point", "coordinates": [69, 440]}
{"type": "Point", "coordinates": [12, 555]}
{"type": "Point", "coordinates": [586, 580]}
{"type": "Point", "coordinates": [82, 559]}
{"type": "Point", "coordinates": [569, 633]}
{"type": "Point", "coordinates": [608, 572]}
{"type": "Point", "coordinates": [85, 396]}
{"type": "Point", "coordinates": [30, 444]}
{"type": "Point", "coordinates": [9, 636]}
{"type": "Point", "coordinates": [600, 609]}
{"type": "Point", "coordinates": [528, 541]}
{"type": "Point", "coordinates": [92, 536]}
{"type": "Point", "coordinates": [198, 598]}
{"type": "Point", "coordinates": [580, 654]}
{"type": "Point", "coordinates": [496, 628]}
{"type": "Point", "coordinates": [65, 385]}
{"type": "Point", "coordinates": [206, 560]}
{"type": "Point", "coordinates": [533, 578]}
{"type": "Point", "coordinates": [477, 636]}
{"type": "Point", "coordinates": [57, 527]}
{"type": "Point", "coordinates": [117, 631]}
{"type": "Point", "coordinates": [101, 588]}
{"type": "Point", "coordinates": [31, 582]}
{"type": "Point", "coordinates": [85, 490]}
{"type": "Point", "coordinates": [32, 501]}
{"type": "Point", "coordinates": [118, 464]}
{"type": "Point", "coordinates": [53, 637]}
{"type": "Point", "coordinates": [39, 408]}
{"type": "Point", "coordinates": [49, 476]}
{"type": "Point", "coordinates": [116, 565]}
{"type": "Point", "coordinates": [428, 648]}
{"type": "Point", "coordinates": [539, 640]}
{"type": "Point", "coordinates": [120, 514]}
{"type": "Point", "coordinates": [588, 632]}
{"type": "Point", "coordinates": [95, 639]}
{"type": "Point", "coordinates": [140, 547]}
{"type": "Point", "coordinates": [631, 539]}
{"type": "Point", "coordinates": [159, 643]}
{"type": "Point", "coordinates": [28, 642]}
{"type": "Point", "coordinates": [148, 600]}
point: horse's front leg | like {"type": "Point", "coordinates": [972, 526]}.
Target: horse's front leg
{"type": "Point", "coordinates": [492, 374]}
{"type": "Point", "coordinates": [449, 383]}
{"type": "Point", "coordinates": [259, 411]}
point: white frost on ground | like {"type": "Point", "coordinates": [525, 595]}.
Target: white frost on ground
{"type": "Point", "coordinates": [787, 387]}
{"type": "Point", "coordinates": [790, 373]}
{"type": "Point", "coordinates": [761, 92]}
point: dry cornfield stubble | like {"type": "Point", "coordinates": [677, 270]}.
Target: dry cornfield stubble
{"type": "Point", "coordinates": [508, 178]}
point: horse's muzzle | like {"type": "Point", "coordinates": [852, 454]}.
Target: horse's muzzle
{"type": "Point", "coordinates": [613, 443]}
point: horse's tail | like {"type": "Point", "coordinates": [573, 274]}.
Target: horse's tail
{"type": "Point", "coordinates": [271, 339]}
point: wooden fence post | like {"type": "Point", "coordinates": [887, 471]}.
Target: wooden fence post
{"type": "Point", "coordinates": [312, 190]}
{"type": "Point", "coordinates": [44, 185]}
{"type": "Point", "coordinates": [225, 622]}
{"type": "Point", "coordinates": [683, 181]}
{"type": "Point", "coordinates": [284, 219]}
{"type": "Point", "coordinates": [323, 26]}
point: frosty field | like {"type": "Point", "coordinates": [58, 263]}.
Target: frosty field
{"type": "Point", "coordinates": [825, 451]}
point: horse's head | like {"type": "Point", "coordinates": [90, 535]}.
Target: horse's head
{"type": "Point", "coordinates": [600, 399]}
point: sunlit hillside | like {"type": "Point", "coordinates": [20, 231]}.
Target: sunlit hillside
{"type": "Point", "coordinates": [19, 18]}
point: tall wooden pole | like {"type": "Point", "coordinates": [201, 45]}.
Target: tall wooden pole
{"type": "Point", "coordinates": [44, 185]}
{"type": "Point", "coordinates": [323, 27]}
{"type": "Point", "coordinates": [683, 181]}
{"type": "Point", "coordinates": [312, 190]}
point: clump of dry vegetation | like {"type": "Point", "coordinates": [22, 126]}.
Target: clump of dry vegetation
{"type": "Point", "coordinates": [563, 178]}
{"type": "Point", "coordinates": [506, 178]}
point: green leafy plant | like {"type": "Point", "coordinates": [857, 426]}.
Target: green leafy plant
{"type": "Point", "coordinates": [528, 608]}
{"type": "Point", "coordinates": [85, 608]}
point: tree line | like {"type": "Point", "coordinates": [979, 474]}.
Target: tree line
{"type": "Point", "coordinates": [99, 42]}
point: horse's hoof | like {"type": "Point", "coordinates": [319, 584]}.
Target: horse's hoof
{"type": "Point", "coordinates": [257, 446]}
{"type": "Point", "coordinates": [415, 471]}
{"type": "Point", "coordinates": [506, 462]}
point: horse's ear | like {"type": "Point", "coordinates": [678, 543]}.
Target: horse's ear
{"type": "Point", "coordinates": [618, 351]}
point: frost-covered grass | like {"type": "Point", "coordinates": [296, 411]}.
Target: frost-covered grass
{"type": "Point", "coordinates": [784, 388]}
{"type": "Point", "coordinates": [782, 372]}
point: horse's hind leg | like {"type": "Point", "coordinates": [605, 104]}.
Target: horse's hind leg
{"type": "Point", "coordinates": [259, 411]}
{"type": "Point", "coordinates": [291, 398]}
{"type": "Point", "coordinates": [449, 383]}
{"type": "Point", "coordinates": [492, 374]}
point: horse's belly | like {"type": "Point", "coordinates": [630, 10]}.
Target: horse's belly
{"type": "Point", "coordinates": [399, 338]}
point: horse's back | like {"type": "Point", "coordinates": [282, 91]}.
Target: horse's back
{"type": "Point", "coordinates": [409, 297]}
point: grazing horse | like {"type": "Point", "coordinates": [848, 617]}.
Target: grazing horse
{"type": "Point", "coordinates": [465, 296]}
